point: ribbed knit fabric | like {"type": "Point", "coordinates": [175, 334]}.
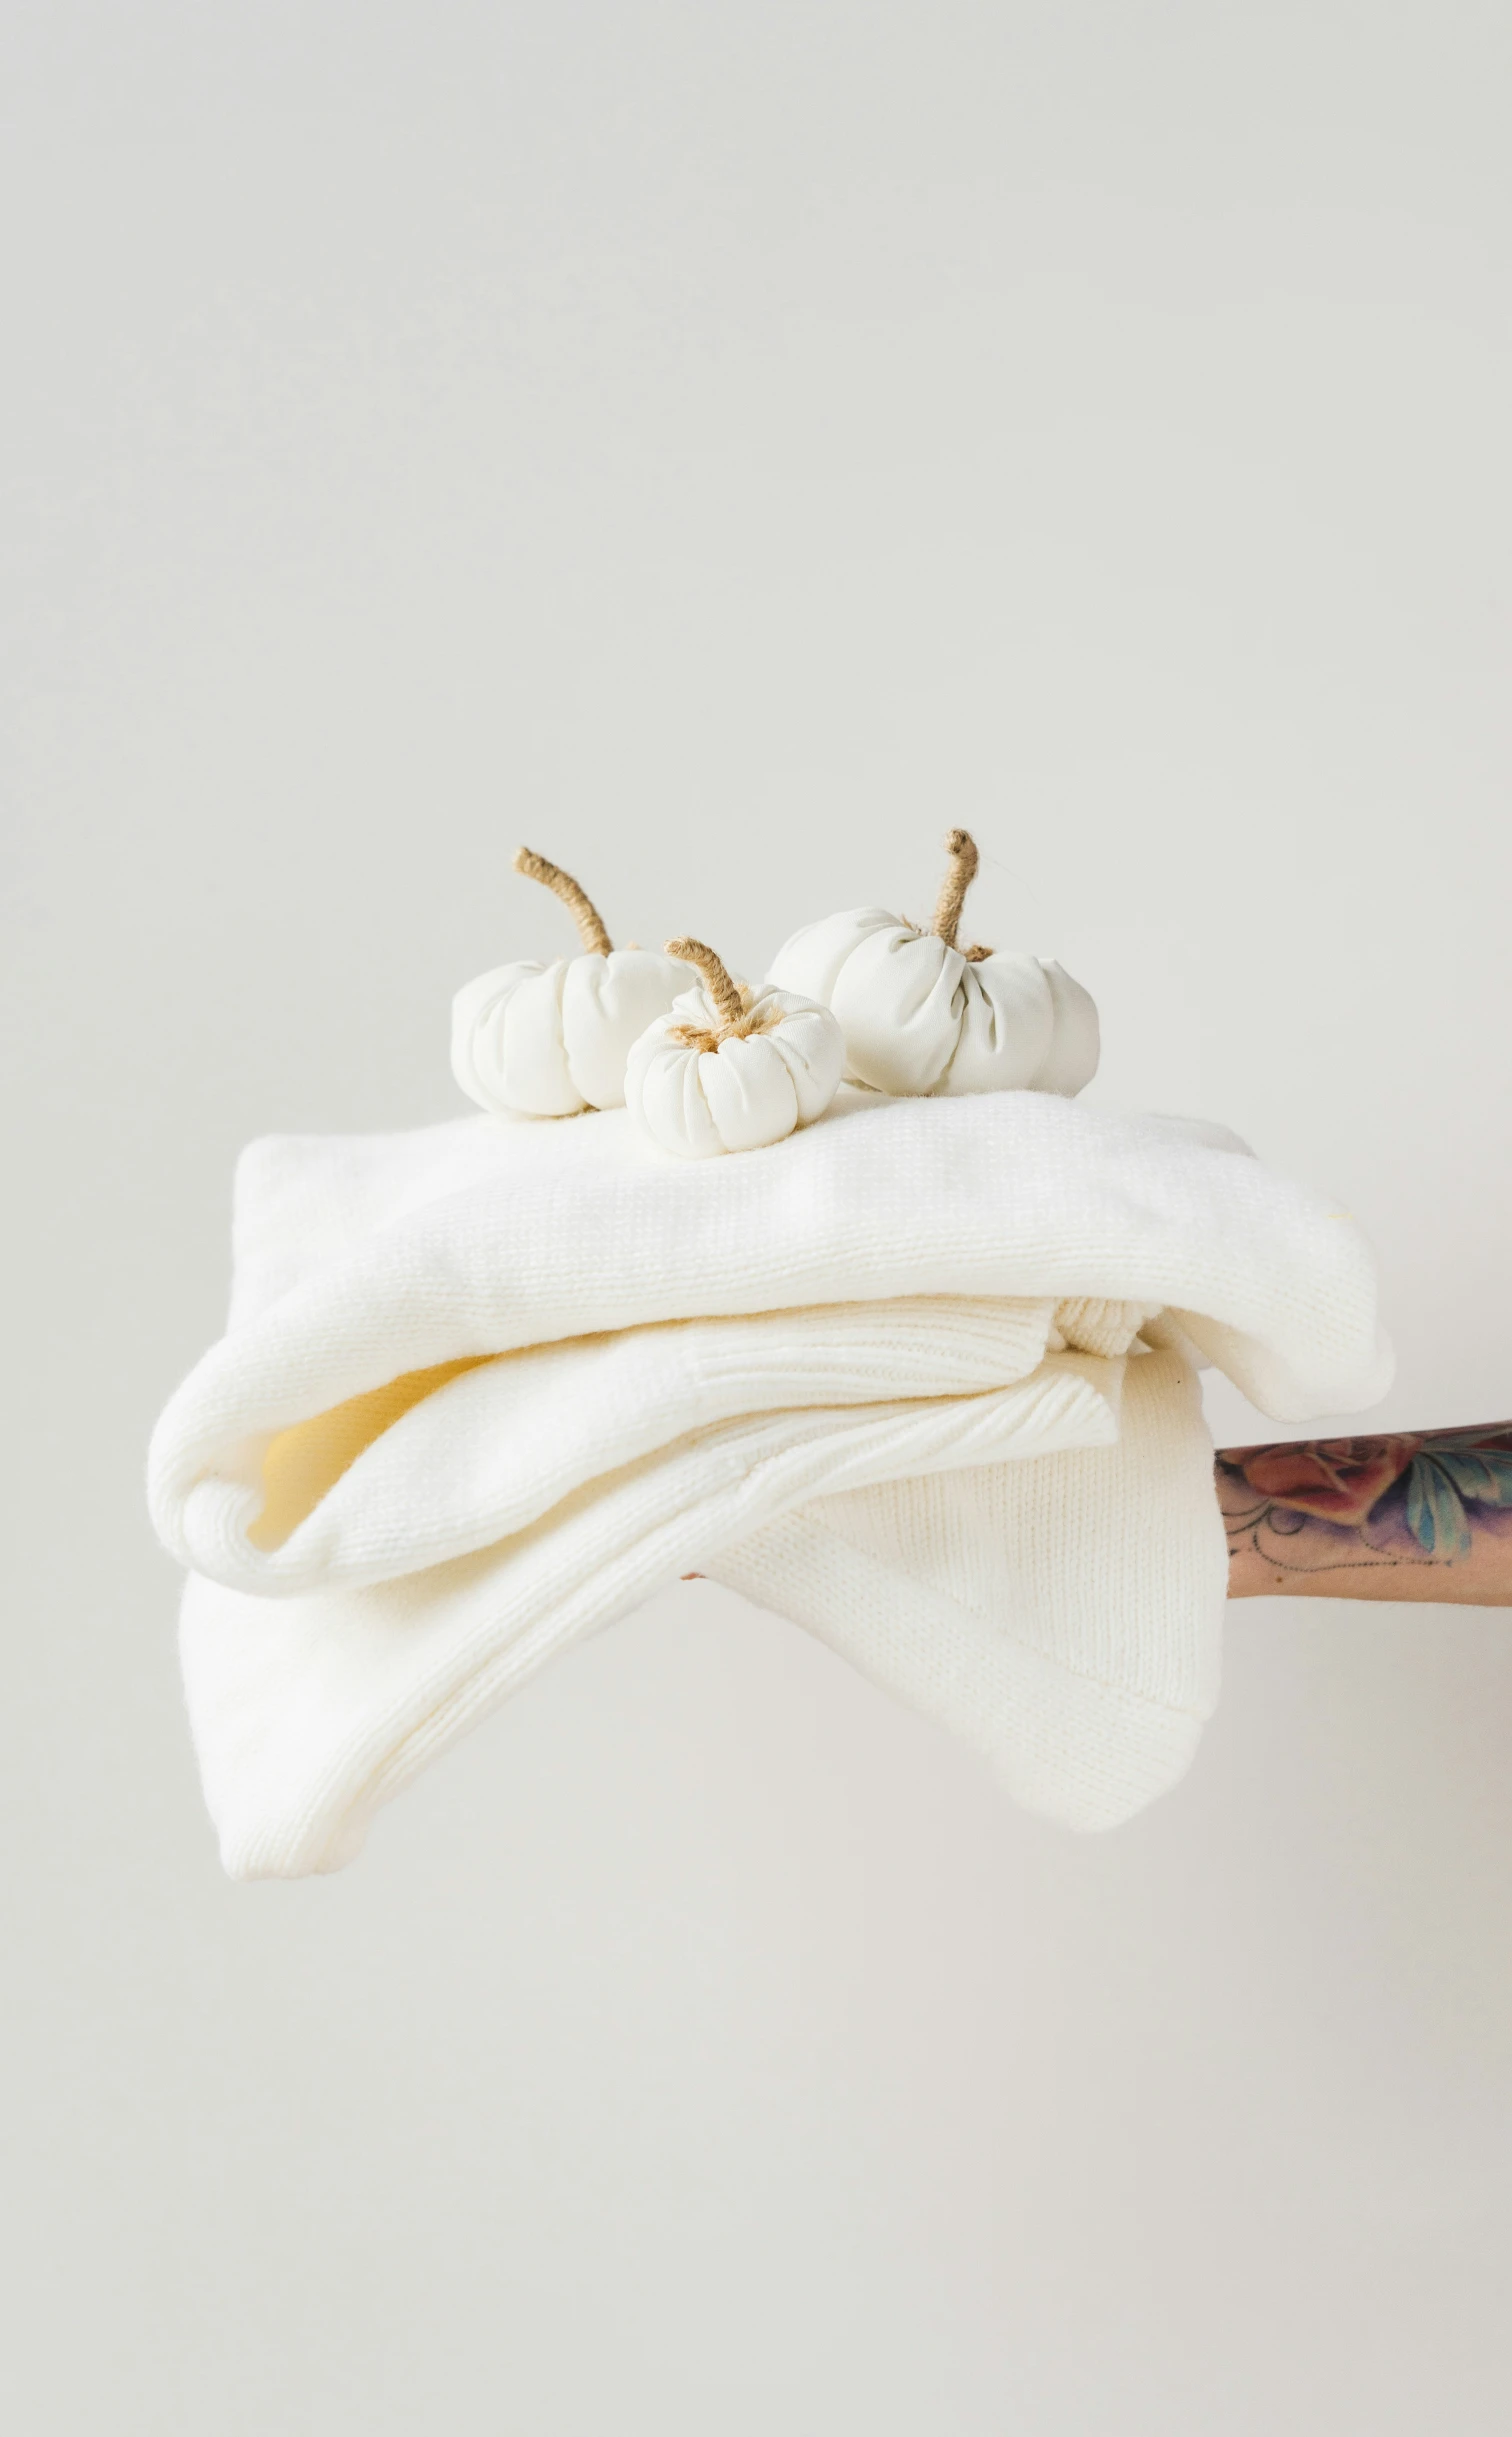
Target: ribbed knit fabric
{"type": "Point", "coordinates": [488, 1386]}
{"type": "Point", "coordinates": [456, 1457]}
{"type": "Point", "coordinates": [1063, 1617]}
{"type": "Point", "coordinates": [309, 1712]}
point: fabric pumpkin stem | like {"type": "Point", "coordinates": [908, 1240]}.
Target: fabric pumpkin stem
{"type": "Point", "coordinates": [590, 923]}
{"type": "Point", "coordinates": [961, 847]}
{"type": "Point", "coordinates": [721, 988]}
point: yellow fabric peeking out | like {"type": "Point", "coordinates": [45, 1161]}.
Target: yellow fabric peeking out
{"type": "Point", "coordinates": [304, 1462]}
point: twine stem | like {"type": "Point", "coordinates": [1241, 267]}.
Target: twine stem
{"type": "Point", "coordinates": [579, 904]}
{"type": "Point", "coordinates": [721, 989]}
{"type": "Point", "coordinates": [960, 846]}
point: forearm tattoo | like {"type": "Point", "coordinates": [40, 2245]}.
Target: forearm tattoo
{"type": "Point", "coordinates": [1420, 1515]}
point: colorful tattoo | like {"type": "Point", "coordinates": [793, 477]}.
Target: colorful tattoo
{"type": "Point", "coordinates": [1428, 1514]}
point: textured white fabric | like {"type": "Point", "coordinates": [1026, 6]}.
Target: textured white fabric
{"type": "Point", "coordinates": [399, 1252]}
{"type": "Point", "coordinates": [355, 1496]}
{"type": "Point", "coordinates": [1062, 1617]}
{"type": "Point", "coordinates": [310, 1712]}
{"type": "Point", "coordinates": [690, 1355]}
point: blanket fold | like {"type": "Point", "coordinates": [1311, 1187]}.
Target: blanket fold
{"type": "Point", "coordinates": [921, 1378]}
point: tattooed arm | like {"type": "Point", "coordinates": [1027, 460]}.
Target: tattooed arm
{"type": "Point", "coordinates": [1420, 1516]}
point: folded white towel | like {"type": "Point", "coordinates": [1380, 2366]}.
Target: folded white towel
{"type": "Point", "coordinates": [401, 1526]}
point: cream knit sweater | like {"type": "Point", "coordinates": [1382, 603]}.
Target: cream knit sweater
{"type": "Point", "coordinates": [487, 1386]}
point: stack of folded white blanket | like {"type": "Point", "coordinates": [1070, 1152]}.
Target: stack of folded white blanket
{"type": "Point", "coordinates": [921, 1378]}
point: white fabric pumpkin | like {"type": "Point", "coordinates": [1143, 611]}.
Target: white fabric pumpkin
{"type": "Point", "coordinates": [921, 1015]}
{"type": "Point", "coordinates": [539, 1040]}
{"type": "Point", "coordinates": [732, 1070]}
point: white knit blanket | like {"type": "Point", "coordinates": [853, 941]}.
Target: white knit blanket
{"type": "Point", "coordinates": [488, 1386]}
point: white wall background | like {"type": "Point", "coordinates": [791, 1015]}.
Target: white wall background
{"type": "Point", "coordinates": [724, 445]}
